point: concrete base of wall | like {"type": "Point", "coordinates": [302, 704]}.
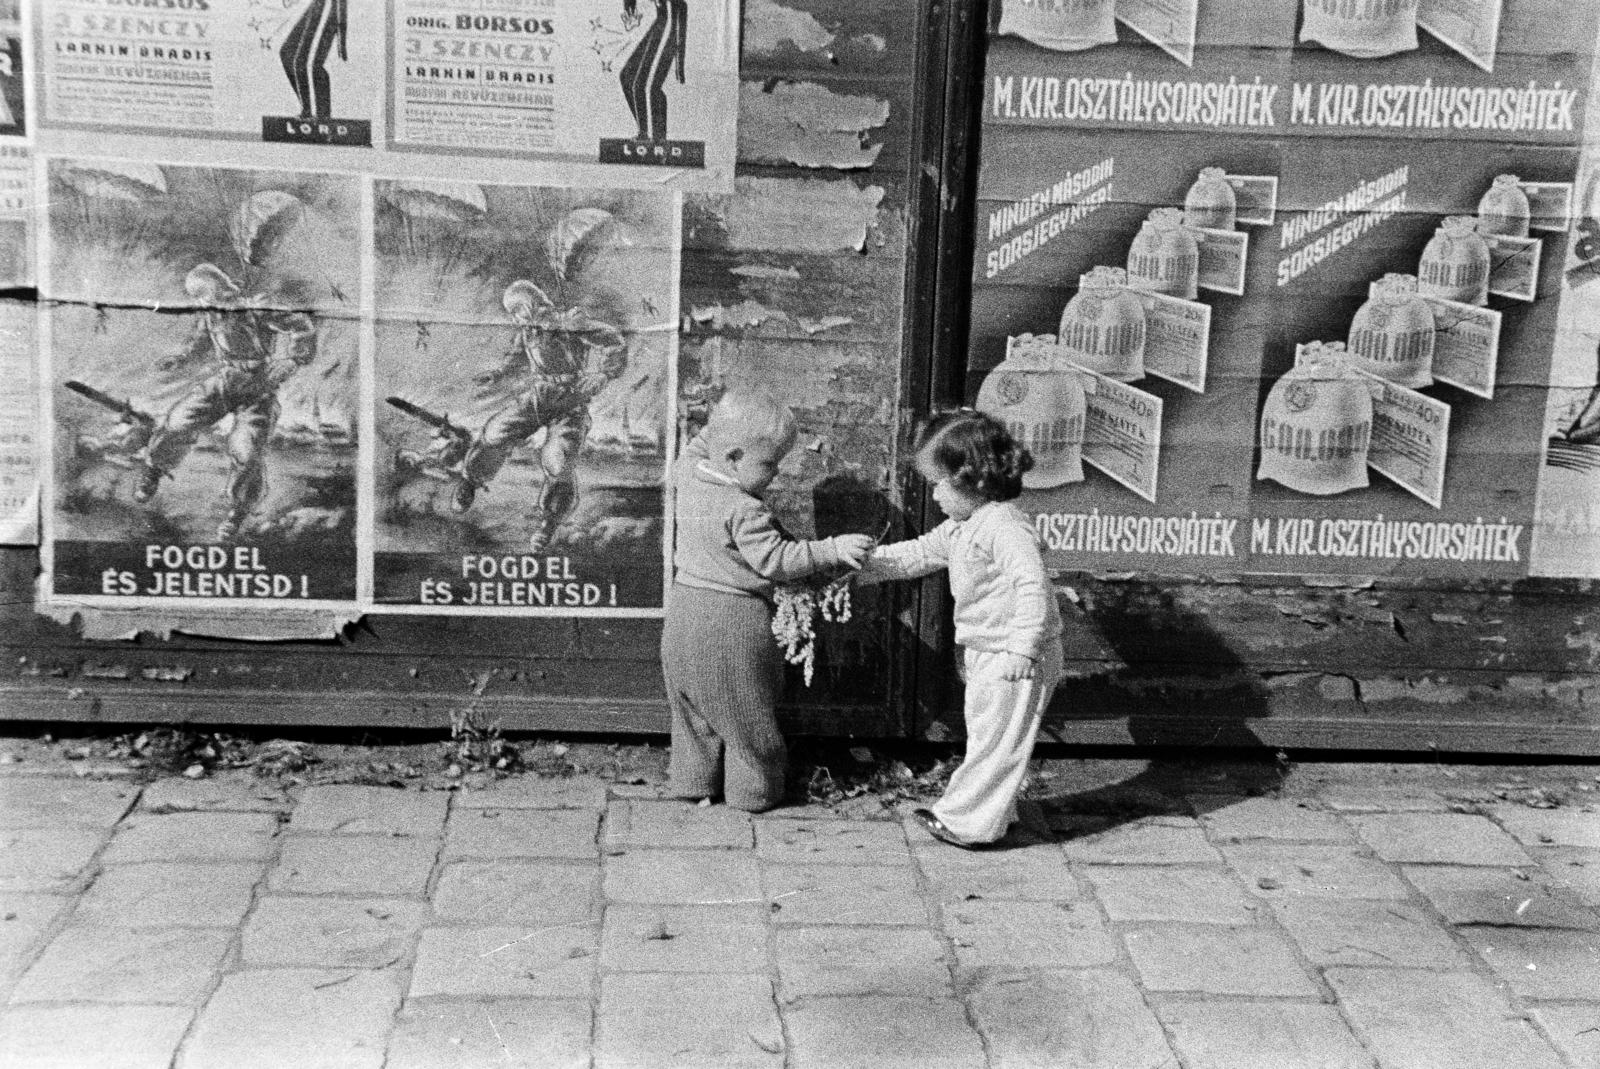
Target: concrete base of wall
{"type": "Point", "coordinates": [1508, 726]}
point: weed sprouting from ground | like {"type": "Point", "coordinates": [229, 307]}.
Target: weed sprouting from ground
{"type": "Point", "coordinates": [477, 744]}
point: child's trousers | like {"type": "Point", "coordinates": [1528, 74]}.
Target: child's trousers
{"type": "Point", "coordinates": [1002, 718]}
{"type": "Point", "coordinates": [724, 674]}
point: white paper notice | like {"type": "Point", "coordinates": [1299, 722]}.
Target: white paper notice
{"type": "Point", "coordinates": [1471, 27]}
{"type": "Point", "coordinates": [566, 80]}
{"type": "Point", "coordinates": [1466, 346]}
{"type": "Point", "coordinates": [1410, 436]}
{"type": "Point", "coordinates": [1549, 205]}
{"type": "Point", "coordinates": [16, 215]}
{"type": "Point", "coordinates": [19, 431]}
{"type": "Point", "coordinates": [299, 71]}
{"type": "Point", "coordinates": [1177, 339]}
{"type": "Point", "coordinates": [1122, 432]}
{"type": "Point", "coordinates": [1168, 24]}
{"type": "Point", "coordinates": [1223, 254]}
{"type": "Point", "coordinates": [1255, 198]}
{"type": "Point", "coordinates": [1514, 267]}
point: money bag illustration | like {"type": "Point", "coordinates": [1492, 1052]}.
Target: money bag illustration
{"type": "Point", "coordinates": [1164, 257]}
{"type": "Point", "coordinates": [1103, 325]}
{"type": "Point", "coordinates": [1365, 29]}
{"type": "Point", "coordinates": [1210, 203]}
{"type": "Point", "coordinates": [1504, 209]}
{"type": "Point", "coordinates": [1455, 263]}
{"type": "Point", "coordinates": [1042, 405]}
{"type": "Point", "coordinates": [1393, 334]}
{"type": "Point", "coordinates": [1316, 425]}
{"type": "Point", "coordinates": [1062, 25]}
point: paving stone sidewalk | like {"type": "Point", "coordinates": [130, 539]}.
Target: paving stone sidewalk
{"type": "Point", "coordinates": [225, 924]}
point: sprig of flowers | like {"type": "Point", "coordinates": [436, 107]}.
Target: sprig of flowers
{"type": "Point", "coordinates": [793, 623]}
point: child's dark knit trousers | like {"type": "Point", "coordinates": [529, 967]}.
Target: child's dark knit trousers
{"type": "Point", "coordinates": [724, 674]}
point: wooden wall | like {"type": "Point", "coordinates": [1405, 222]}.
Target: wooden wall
{"type": "Point", "coordinates": [835, 273]}
{"type": "Point", "coordinates": [795, 280]}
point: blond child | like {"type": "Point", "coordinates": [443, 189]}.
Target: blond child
{"type": "Point", "coordinates": [723, 670]}
{"type": "Point", "coordinates": [1006, 617]}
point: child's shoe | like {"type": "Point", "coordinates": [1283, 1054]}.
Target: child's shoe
{"type": "Point", "coordinates": [937, 829]}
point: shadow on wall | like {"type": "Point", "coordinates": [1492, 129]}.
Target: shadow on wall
{"type": "Point", "coordinates": [1136, 654]}
{"type": "Point", "coordinates": [851, 657]}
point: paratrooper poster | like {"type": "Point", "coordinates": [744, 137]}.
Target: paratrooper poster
{"type": "Point", "coordinates": [200, 339]}
{"type": "Point", "coordinates": [524, 356]}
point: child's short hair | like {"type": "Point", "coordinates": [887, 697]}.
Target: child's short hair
{"type": "Point", "coordinates": [742, 418]}
{"type": "Point", "coordinates": [976, 452]}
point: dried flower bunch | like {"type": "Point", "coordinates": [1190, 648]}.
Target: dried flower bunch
{"type": "Point", "coordinates": [793, 622]}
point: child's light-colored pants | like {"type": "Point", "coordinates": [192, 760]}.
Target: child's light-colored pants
{"type": "Point", "coordinates": [1002, 718]}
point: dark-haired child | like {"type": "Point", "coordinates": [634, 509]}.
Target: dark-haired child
{"type": "Point", "coordinates": [1006, 617]}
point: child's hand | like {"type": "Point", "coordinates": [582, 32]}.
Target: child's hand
{"type": "Point", "coordinates": [1014, 666]}
{"type": "Point", "coordinates": [853, 549]}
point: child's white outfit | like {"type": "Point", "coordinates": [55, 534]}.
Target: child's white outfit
{"type": "Point", "coordinates": [1004, 604]}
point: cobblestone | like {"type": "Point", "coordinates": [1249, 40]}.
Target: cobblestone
{"type": "Point", "coordinates": [46, 859]}
{"type": "Point", "coordinates": [1426, 1020]}
{"type": "Point", "coordinates": [306, 1018]}
{"type": "Point", "coordinates": [193, 837]}
{"type": "Point", "coordinates": [24, 920]}
{"type": "Point", "coordinates": [1439, 838]}
{"type": "Point", "coordinates": [1040, 873]}
{"type": "Point", "coordinates": [345, 810]}
{"type": "Point", "coordinates": [831, 842]}
{"type": "Point", "coordinates": [1152, 841]}
{"type": "Point", "coordinates": [683, 877]}
{"type": "Point", "coordinates": [158, 966]}
{"type": "Point", "coordinates": [536, 792]}
{"type": "Point", "coordinates": [1542, 963]}
{"type": "Point", "coordinates": [1573, 867]}
{"type": "Point", "coordinates": [876, 1032]}
{"type": "Point", "coordinates": [352, 865]}
{"type": "Point", "coordinates": [1572, 1030]}
{"type": "Point", "coordinates": [1285, 1035]}
{"type": "Point", "coordinates": [552, 961]}
{"type": "Point", "coordinates": [519, 892]}
{"type": "Point", "coordinates": [202, 924]}
{"type": "Point", "coordinates": [1241, 819]}
{"type": "Point", "coordinates": [56, 804]}
{"type": "Point", "coordinates": [170, 895]}
{"type": "Point", "coordinates": [525, 1033]}
{"type": "Point", "coordinates": [501, 833]}
{"type": "Point", "coordinates": [1367, 798]}
{"type": "Point", "coordinates": [725, 939]}
{"type": "Point", "coordinates": [848, 961]}
{"type": "Point", "coordinates": [676, 825]}
{"type": "Point", "coordinates": [73, 1037]}
{"type": "Point", "coordinates": [1089, 1019]}
{"type": "Point", "coordinates": [225, 792]}
{"type": "Point", "coordinates": [368, 933]}
{"type": "Point", "coordinates": [1368, 932]}
{"type": "Point", "coordinates": [659, 1021]}
{"type": "Point", "coordinates": [1551, 827]}
{"type": "Point", "coordinates": [845, 894]}
{"type": "Point", "coordinates": [1028, 934]}
{"type": "Point", "coordinates": [1217, 961]}
{"type": "Point", "coordinates": [1523, 897]}
{"type": "Point", "coordinates": [1278, 870]}
{"type": "Point", "coordinates": [1201, 896]}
